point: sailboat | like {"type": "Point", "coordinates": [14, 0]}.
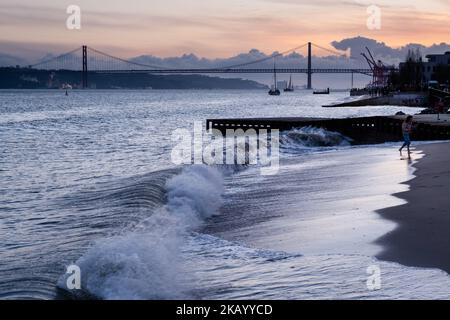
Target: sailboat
{"type": "Point", "coordinates": [274, 90]}
{"type": "Point", "coordinates": [290, 87]}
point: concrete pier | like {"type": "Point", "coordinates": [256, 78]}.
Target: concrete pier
{"type": "Point", "coordinates": [405, 99]}
{"type": "Point", "coordinates": [364, 130]}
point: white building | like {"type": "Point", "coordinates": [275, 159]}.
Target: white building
{"type": "Point", "coordinates": [434, 60]}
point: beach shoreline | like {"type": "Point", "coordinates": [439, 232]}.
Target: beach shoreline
{"type": "Point", "coordinates": [422, 237]}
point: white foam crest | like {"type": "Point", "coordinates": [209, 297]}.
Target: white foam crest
{"type": "Point", "coordinates": [311, 137]}
{"type": "Point", "coordinates": [145, 263]}
{"type": "Point", "coordinates": [195, 192]}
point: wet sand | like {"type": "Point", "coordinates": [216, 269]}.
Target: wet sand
{"type": "Point", "coordinates": [422, 238]}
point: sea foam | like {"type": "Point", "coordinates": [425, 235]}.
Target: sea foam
{"type": "Point", "coordinates": [145, 262]}
{"type": "Point", "coordinates": [300, 139]}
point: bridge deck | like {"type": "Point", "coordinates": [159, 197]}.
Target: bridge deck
{"type": "Point", "coordinates": [257, 70]}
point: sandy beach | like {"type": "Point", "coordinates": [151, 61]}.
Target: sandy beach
{"type": "Point", "coordinates": [422, 237]}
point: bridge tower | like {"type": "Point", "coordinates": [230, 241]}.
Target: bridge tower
{"type": "Point", "coordinates": [84, 77]}
{"type": "Point", "coordinates": [309, 67]}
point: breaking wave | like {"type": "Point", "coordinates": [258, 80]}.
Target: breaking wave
{"type": "Point", "coordinates": [145, 262]}
{"type": "Point", "coordinates": [311, 137]}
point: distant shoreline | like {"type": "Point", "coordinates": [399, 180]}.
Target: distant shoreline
{"type": "Point", "coordinates": [129, 89]}
{"type": "Point", "coordinates": [26, 78]}
{"type": "Point", "coordinates": [422, 238]}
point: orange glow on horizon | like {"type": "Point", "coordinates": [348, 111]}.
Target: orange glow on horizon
{"type": "Point", "coordinates": [219, 29]}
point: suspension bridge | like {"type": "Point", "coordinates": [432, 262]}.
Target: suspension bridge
{"type": "Point", "coordinates": [88, 60]}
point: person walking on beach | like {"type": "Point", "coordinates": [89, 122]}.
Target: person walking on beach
{"type": "Point", "coordinates": [439, 108]}
{"type": "Point", "coordinates": [406, 130]}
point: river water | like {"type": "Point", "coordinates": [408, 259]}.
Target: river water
{"type": "Point", "coordinates": [88, 180]}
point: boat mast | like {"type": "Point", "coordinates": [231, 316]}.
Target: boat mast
{"type": "Point", "coordinates": [274, 74]}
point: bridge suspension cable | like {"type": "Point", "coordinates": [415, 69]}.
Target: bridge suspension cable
{"type": "Point", "coordinates": [124, 60]}
{"type": "Point", "coordinates": [57, 58]}
{"type": "Point", "coordinates": [328, 50]}
{"type": "Point", "coordinates": [356, 62]}
{"type": "Point", "coordinates": [96, 60]}
{"type": "Point", "coordinates": [89, 59]}
{"type": "Point", "coordinates": [263, 59]}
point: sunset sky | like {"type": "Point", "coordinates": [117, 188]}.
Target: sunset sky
{"type": "Point", "coordinates": [214, 28]}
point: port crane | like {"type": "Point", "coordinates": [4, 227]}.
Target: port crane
{"type": "Point", "coordinates": [380, 72]}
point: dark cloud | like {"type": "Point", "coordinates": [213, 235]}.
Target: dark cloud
{"type": "Point", "coordinates": [384, 52]}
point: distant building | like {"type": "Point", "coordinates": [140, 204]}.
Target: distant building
{"type": "Point", "coordinates": [434, 60]}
